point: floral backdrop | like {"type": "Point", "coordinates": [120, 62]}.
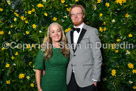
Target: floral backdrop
{"type": "Point", "coordinates": [24, 23]}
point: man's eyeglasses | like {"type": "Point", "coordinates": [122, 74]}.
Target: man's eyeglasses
{"type": "Point", "coordinates": [76, 14]}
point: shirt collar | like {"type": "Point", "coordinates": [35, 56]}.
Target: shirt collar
{"type": "Point", "coordinates": [81, 26]}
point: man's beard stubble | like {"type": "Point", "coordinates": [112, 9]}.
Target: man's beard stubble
{"type": "Point", "coordinates": [78, 23]}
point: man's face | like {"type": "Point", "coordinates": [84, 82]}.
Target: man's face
{"type": "Point", "coordinates": [77, 16]}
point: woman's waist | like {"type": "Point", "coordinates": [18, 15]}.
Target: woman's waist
{"type": "Point", "coordinates": [55, 69]}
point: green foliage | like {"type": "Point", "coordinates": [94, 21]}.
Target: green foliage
{"type": "Point", "coordinates": [23, 23]}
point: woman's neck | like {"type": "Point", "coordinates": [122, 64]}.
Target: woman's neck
{"type": "Point", "coordinates": [56, 44]}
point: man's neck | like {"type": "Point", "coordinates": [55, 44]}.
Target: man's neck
{"type": "Point", "coordinates": [78, 26]}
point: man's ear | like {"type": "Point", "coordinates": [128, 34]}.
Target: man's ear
{"type": "Point", "coordinates": [83, 16]}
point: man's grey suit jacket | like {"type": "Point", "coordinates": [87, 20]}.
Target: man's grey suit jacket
{"type": "Point", "coordinates": [86, 57]}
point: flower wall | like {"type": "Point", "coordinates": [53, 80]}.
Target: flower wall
{"type": "Point", "coordinates": [23, 25]}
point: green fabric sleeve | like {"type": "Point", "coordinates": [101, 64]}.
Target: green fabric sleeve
{"type": "Point", "coordinates": [39, 61]}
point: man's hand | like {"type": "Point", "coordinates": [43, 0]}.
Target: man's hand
{"type": "Point", "coordinates": [95, 83]}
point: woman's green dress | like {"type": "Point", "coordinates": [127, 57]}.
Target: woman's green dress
{"type": "Point", "coordinates": [54, 78]}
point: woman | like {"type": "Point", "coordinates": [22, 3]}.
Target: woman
{"type": "Point", "coordinates": [53, 58]}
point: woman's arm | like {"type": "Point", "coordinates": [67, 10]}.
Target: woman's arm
{"type": "Point", "coordinates": [43, 72]}
{"type": "Point", "coordinates": [38, 79]}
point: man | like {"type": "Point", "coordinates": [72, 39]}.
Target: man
{"type": "Point", "coordinates": [84, 67]}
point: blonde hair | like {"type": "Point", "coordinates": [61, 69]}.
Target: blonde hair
{"type": "Point", "coordinates": [47, 43]}
{"type": "Point", "coordinates": [80, 6]}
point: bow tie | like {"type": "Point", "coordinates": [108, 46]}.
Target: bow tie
{"type": "Point", "coordinates": [76, 29]}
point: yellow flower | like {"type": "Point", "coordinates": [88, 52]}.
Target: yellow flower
{"type": "Point", "coordinates": [29, 12]}
{"type": "Point", "coordinates": [21, 76]}
{"type": "Point", "coordinates": [40, 5]}
{"type": "Point", "coordinates": [104, 23]}
{"type": "Point", "coordinates": [8, 2]}
{"type": "Point", "coordinates": [107, 4]}
{"type": "Point", "coordinates": [134, 71]}
{"type": "Point", "coordinates": [66, 5]}
{"type": "Point", "coordinates": [130, 35]}
{"type": "Point", "coordinates": [98, 1]}
{"type": "Point", "coordinates": [119, 1]}
{"type": "Point", "coordinates": [1, 32]}
{"type": "Point", "coordinates": [16, 14]}
{"type": "Point", "coordinates": [33, 45]}
{"type": "Point", "coordinates": [94, 6]}
{"type": "Point", "coordinates": [134, 87]}
{"type": "Point", "coordinates": [124, 1]}
{"type": "Point", "coordinates": [100, 29]}
{"type": "Point", "coordinates": [32, 84]}
{"type": "Point", "coordinates": [25, 12]}
{"type": "Point", "coordinates": [27, 32]}
{"type": "Point", "coordinates": [118, 40]}
{"type": "Point", "coordinates": [22, 18]}
{"type": "Point", "coordinates": [8, 82]}
{"type": "Point", "coordinates": [15, 19]}
{"type": "Point", "coordinates": [39, 47]}
{"type": "Point", "coordinates": [100, 15]}
{"type": "Point", "coordinates": [28, 46]}
{"type": "Point", "coordinates": [7, 65]}
{"type": "Point", "coordinates": [1, 9]}
{"type": "Point", "coordinates": [7, 44]}
{"type": "Point", "coordinates": [68, 9]}
{"type": "Point", "coordinates": [45, 14]}
{"type": "Point", "coordinates": [76, 0]}
{"type": "Point", "coordinates": [62, 1]}
{"type": "Point", "coordinates": [33, 10]}
{"type": "Point", "coordinates": [28, 77]}
{"type": "Point", "coordinates": [12, 57]}
{"type": "Point", "coordinates": [104, 29]}
{"type": "Point", "coordinates": [11, 26]}
{"type": "Point", "coordinates": [130, 65]}
{"type": "Point", "coordinates": [0, 21]}
{"type": "Point", "coordinates": [128, 52]}
{"type": "Point", "coordinates": [26, 21]}
{"type": "Point", "coordinates": [9, 32]}
{"type": "Point", "coordinates": [113, 46]}
{"type": "Point", "coordinates": [34, 26]}
{"type": "Point", "coordinates": [30, 63]}
{"type": "Point", "coordinates": [127, 15]}
{"type": "Point", "coordinates": [113, 72]}
{"type": "Point", "coordinates": [65, 16]}
{"type": "Point", "coordinates": [54, 19]}
{"type": "Point", "coordinates": [2, 48]}
{"type": "Point", "coordinates": [116, 51]}
{"type": "Point", "coordinates": [67, 29]}
{"type": "Point", "coordinates": [16, 53]}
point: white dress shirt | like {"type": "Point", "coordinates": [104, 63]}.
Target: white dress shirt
{"type": "Point", "coordinates": [76, 34]}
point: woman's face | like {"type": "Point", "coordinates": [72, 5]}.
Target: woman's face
{"type": "Point", "coordinates": [55, 33]}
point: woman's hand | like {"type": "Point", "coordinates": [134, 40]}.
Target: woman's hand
{"type": "Point", "coordinates": [39, 89]}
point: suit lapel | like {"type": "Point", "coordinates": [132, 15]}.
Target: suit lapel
{"type": "Point", "coordinates": [80, 37]}
{"type": "Point", "coordinates": [71, 37]}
